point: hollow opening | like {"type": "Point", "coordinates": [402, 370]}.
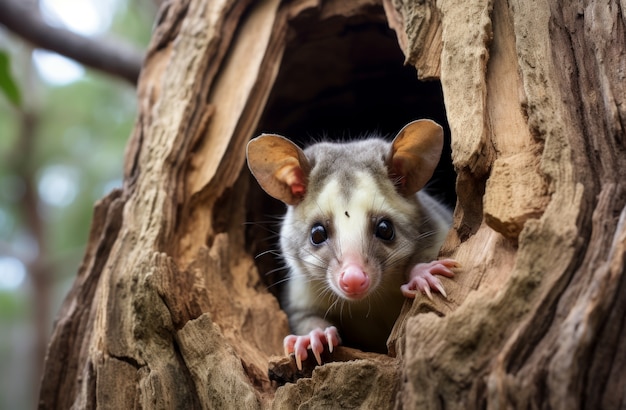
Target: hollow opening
{"type": "Point", "coordinates": [341, 78]}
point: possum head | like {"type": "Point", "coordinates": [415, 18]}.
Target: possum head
{"type": "Point", "coordinates": [352, 222]}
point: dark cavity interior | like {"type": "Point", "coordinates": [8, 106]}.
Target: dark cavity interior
{"type": "Point", "coordinates": [341, 78]}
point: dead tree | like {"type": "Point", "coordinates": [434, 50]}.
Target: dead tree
{"type": "Point", "coordinates": [169, 309]}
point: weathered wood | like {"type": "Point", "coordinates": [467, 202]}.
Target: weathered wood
{"type": "Point", "coordinates": [532, 334]}
{"type": "Point", "coordinates": [169, 309]}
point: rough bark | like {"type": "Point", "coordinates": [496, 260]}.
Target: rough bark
{"type": "Point", "coordinates": [169, 309]}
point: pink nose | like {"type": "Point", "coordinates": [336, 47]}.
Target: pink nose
{"type": "Point", "coordinates": [354, 281]}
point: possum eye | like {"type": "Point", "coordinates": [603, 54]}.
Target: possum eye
{"type": "Point", "coordinates": [318, 234]}
{"type": "Point", "coordinates": [384, 230]}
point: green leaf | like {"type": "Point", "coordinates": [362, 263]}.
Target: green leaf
{"type": "Point", "coordinates": [7, 83]}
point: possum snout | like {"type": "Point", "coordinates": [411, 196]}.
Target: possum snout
{"type": "Point", "coordinates": [354, 282]}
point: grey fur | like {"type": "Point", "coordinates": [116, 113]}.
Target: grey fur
{"type": "Point", "coordinates": [366, 323]}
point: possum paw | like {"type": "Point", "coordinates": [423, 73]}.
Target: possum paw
{"type": "Point", "coordinates": [422, 277]}
{"type": "Point", "coordinates": [315, 340]}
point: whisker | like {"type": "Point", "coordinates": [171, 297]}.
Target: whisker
{"type": "Point", "coordinates": [278, 282]}
{"type": "Point", "coordinates": [273, 252]}
{"type": "Point", "coordinates": [278, 269]}
{"type": "Point", "coordinates": [331, 307]}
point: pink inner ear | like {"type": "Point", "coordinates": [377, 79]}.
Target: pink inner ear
{"type": "Point", "coordinates": [293, 177]}
{"type": "Point", "coordinates": [298, 189]}
{"type": "Point", "coordinates": [296, 182]}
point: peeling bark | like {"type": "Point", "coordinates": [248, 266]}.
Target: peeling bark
{"type": "Point", "coordinates": [169, 308]}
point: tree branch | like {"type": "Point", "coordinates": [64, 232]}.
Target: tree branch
{"type": "Point", "coordinates": [112, 57]}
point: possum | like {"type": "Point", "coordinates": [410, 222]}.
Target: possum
{"type": "Point", "coordinates": [358, 236]}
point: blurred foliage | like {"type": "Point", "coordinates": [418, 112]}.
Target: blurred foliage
{"type": "Point", "coordinates": [80, 134]}
{"type": "Point", "coordinates": [7, 83]}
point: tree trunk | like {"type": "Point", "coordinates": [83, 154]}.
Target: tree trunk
{"type": "Point", "coordinates": [169, 309]}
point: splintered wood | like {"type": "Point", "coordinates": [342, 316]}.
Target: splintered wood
{"type": "Point", "coordinates": [168, 309]}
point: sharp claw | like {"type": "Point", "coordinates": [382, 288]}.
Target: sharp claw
{"type": "Point", "coordinates": [427, 290]}
{"type": "Point", "coordinates": [441, 290]}
{"type": "Point", "coordinates": [298, 362]}
{"type": "Point", "coordinates": [451, 263]}
{"type": "Point", "coordinates": [289, 345]}
{"type": "Point", "coordinates": [329, 340]}
{"type": "Point", "coordinates": [318, 358]}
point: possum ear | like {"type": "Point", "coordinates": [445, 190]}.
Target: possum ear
{"type": "Point", "coordinates": [415, 153]}
{"type": "Point", "coordinates": [280, 167]}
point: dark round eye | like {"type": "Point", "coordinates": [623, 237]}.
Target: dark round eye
{"type": "Point", "coordinates": [384, 230]}
{"type": "Point", "coordinates": [318, 234]}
